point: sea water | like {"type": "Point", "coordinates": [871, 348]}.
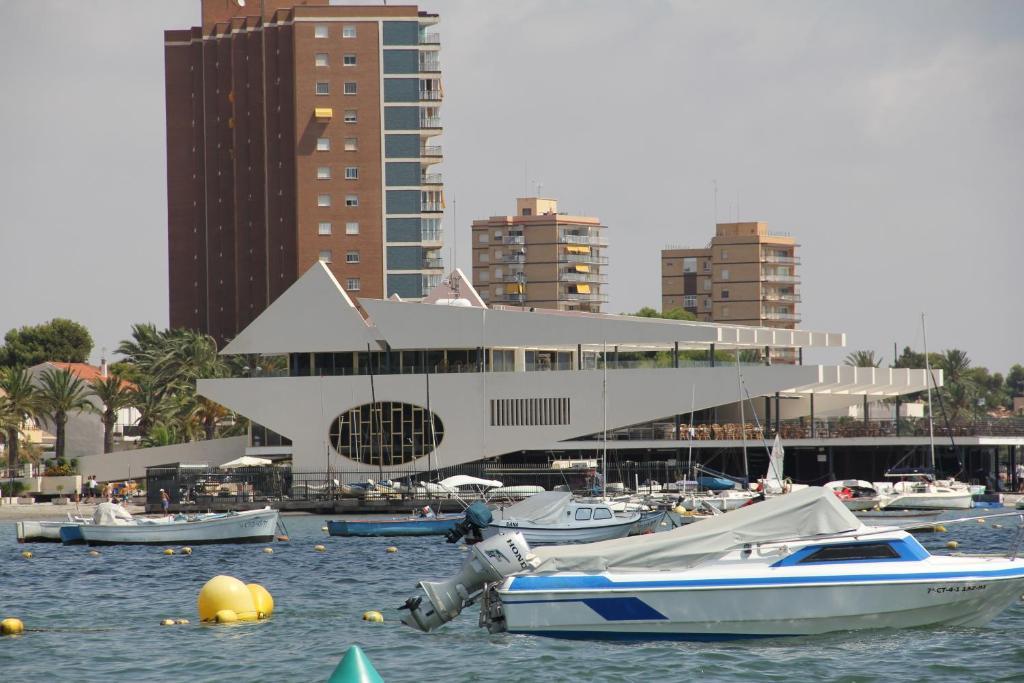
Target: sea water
{"type": "Point", "coordinates": [98, 619]}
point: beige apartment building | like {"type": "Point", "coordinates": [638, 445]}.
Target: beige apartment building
{"type": "Point", "coordinates": [540, 258]}
{"type": "Point", "coordinates": [744, 276]}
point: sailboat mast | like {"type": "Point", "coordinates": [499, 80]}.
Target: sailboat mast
{"type": "Point", "coordinates": [743, 418]}
{"type": "Point", "coordinates": [604, 431]}
{"type": "Point", "coordinates": [689, 432]}
{"type": "Point", "coordinates": [928, 383]}
{"type": "Point", "coordinates": [433, 434]}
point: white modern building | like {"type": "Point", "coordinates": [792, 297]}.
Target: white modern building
{"type": "Point", "coordinates": [401, 386]}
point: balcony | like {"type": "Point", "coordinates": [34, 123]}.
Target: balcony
{"type": "Point", "coordinates": [786, 317]}
{"type": "Point", "coordinates": [781, 260]}
{"type": "Point", "coordinates": [514, 276]}
{"type": "Point", "coordinates": [430, 179]}
{"type": "Point", "coordinates": [430, 122]}
{"type": "Point", "coordinates": [431, 207]}
{"type": "Point", "coordinates": [433, 264]}
{"type": "Point", "coordinates": [514, 239]}
{"type": "Point", "coordinates": [785, 279]}
{"type": "Point", "coordinates": [583, 258]}
{"type": "Point", "coordinates": [513, 258]}
{"type": "Point", "coordinates": [430, 95]}
{"type": "Point", "coordinates": [430, 235]}
{"type": "Point", "coordinates": [429, 63]}
{"type": "Point", "coordinates": [430, 151]}
{"type": "Point", "coordinates": [594, 296]}
{"type": "Point", "coordinates": [432, 38]}
{"type": "Point", "coordinates": [582, 277]}
{"type": "Point", "coordinates": [783, 298]}
{"type": "Point", "coordinates": [594, 240]}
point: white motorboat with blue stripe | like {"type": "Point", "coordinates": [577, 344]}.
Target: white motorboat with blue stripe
{"type": "Point", "coordinates": [793, 565]}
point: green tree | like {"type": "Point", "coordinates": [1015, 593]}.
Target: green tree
{"type": "Point", "coordinates": [57, 340]}
{"type": "Point", "coordinates": [671, 314]}
{"type": "Point", "coordinates": [910, 359]}
{"type": "Point", "coordinates": [22, 402]}
{"type": "Point", "coordinates": [1015, 381]}
{"type": "Point", "coordinates": [863, 359]}
{"type": "Point", "coordinates": [115, 394]}
{"type": "Point", "coordinates": [60, 394]}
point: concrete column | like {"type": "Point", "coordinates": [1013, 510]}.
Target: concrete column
{"type": "Point", "coordinates": [711, 355]}
{"type": "Point", "coordinates": [812, 415]}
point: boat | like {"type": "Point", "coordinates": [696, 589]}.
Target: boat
{"type": "Point", "coordinates": [911, 520]}
{"type": "Point", "coordinates": [251, 526]}
{"type": "Point", "coordinates": [856, 494]}
{"type": "Point", "coordinates": [401, 526]}
{"type": "Point", "coordinates": [917, 490]}
{"type": "Point", "coordinates": [554, 518]}
{"type": "Point", "coordinates": [47, 531]}
{"type": "Point", "coordinates": [648, 522]}
{"type": "Point", "coordinates": [792, 565]}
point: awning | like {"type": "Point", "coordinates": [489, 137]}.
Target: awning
{"type": "Point", "coordinates": [325, 113]}
{"type": "Point", "coordinates": [583, 289]}
{"type": "Point", "coordinates": [577, 249]}
{"type": "Point", "coordinates": [515, 289]}
{"type": "Point", "coordinates": [246, 461]}
{"type": "Point", "coordinates": [581, 268]}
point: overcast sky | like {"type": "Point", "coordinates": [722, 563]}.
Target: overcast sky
{"type": "Point", "coordinates": [885, 136]}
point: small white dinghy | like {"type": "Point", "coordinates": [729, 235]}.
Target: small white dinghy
{"type": "Point", "coordinates": [251, 526]}
{"type": "Point", "coordinates": [46, 531]}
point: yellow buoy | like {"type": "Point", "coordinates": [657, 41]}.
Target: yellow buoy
{"type": "Point", "coordinates": [997, 526]}
{"type": "Point", "coordinates": [679, 509]}
{"type": "Point", "coordinates": [981, 520]}
{"type": "Point", "coordinates": [27, 554]}
{"type": "Point", "coordinates": [167, 622]}
{"type": "Point", "coordinates": [463, 547]}
{"type": "Point", "coordinates": [939, 528]}
{"type": "Point", "coordinates": [225, 616]}
{"type": "Point", "coordinates": [168, 551]}
{"type": "Point", "coordinates": [94, 553]}
{"type": "Point", "coordinates": [186, 551]}
{"type": "Point", "coordinates": [226, 593]}
{"type": "Point", "coordinates": [262, 599]}
{"type": "Point", "coordinates": [283, 538]}
{"type": "Point", "coordinates": [181, 621]}
{"type": "Point", "coordinates": [268, 551]}
{"type": "Point", "coordinates": [392, 549]}
{"type": "Point", "coordinates": [373, 616]}
{"type": "Point", "coordinates": [11, 627]}
{"type": "Point", "coordinates": [952, 545]}
{"type": "Point", "coordinates": [324, 529]}
{"type": "Point", "coordinates": [319, 548]}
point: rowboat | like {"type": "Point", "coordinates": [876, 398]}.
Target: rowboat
{"type": "Point", "coordinates": [47, 531]}
{"type": "Point", "coordinates": [793, 565]}
{"type": "Point", "coordinates": [251, 526]}
{"type": "Point", "coordinates": [403, 526]}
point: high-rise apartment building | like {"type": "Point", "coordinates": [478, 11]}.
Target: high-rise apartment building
{"type": "Point", "coordinates": [300, 131]}
{"type": "Point", "coordinates": [540, 258]}
{"type": "Point", "coordinates": [744, 276]}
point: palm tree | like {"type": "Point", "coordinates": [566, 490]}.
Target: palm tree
{"type": "Point", "coordinates": [22, 400]}
{"type": "Point", "coordinates": [61, 394]}
{"type": "Point", "coordinates": [115, 394]}
{"type": "Point", "coordinates": [958, 386]}
{"type": "Point", "coordinates": [863, 359]}
{"type": "Point", "coordinates": [149, 397]}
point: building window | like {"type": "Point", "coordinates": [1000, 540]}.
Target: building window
{"type": "Point", "coordinates": [323, 144]}
{"type": "Point", "coordinates": [352, 228]}
{"type": "Point", "coordinates": [323, 199]}
{"type": "Point", "coordinates": [725, 311]}
{"type": "Point", "coordinates": [323, 88]}
{"type": "Point", "coordinates": [725, 274]}
{"type": "Point", "coordinates": [349, 60]}
{"type": "Point", "coordinates": [707, 304]}
{"type": "Point", "coordinates": [351, 145]}
{"type": "Point", "coordinates": [323, 172]}
{"type": "Point", "coordinates": [351, 200]}
{"type": "Point", "coordinates": [350, 116]}
{"type": "Point", "coordinates": [386, 433]}
{"type": "Point", "coordinates": [529, 412]}
{"type": "Point", "coordinates": [725, 293]}
{"type": "Point", "coordinates": [690, 301]}
{"type": "Point", "coordinates": [348, 31]}
{"type": "Point", "coordinates": [320, 31]}
{"type": "Point", "coordinates": [707, 284]}
{"type": "Point", "coordinates": [483, 238]}
{"type": "Point", "coordinates": [325, 256]}
{"type": "Point", "coordinates": [484, 257]}
{"type": "Point", "coordinates": [707, 266]}
{"type": "Point", "coordinates": [725, 254]}
{"type": "Point", "coordinates": [320, 59]}
{"type": "Point", "coordinates": [689, 264]}
{"type": "Point", "coordinates": [350, 87]}
{"type": "Point", "coordinates": [351, 173]}
{"type": "Point", "coordinates": [352, 284]}
{"type": "Point", "coordinates": [352, 257]}
{"type": "Point", "coordinates": [484, 276]}
{"type": "Point", "coordinates": [499, 290]}
{"type": "Point", "coordinates": [324, 228]}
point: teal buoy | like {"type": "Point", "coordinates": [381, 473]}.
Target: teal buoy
{"type": "Point", "coordinates": [355, 667]}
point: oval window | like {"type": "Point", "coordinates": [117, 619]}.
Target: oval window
{"type": "Point", "coordinates": [386, 433]}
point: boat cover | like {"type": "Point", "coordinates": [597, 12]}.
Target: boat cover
{"type": "Point", "coordinates": [465, 480]}
{"type": "Point", "coordinates": [541, 508]}
{"type": "Point", "coordinates": [806, 512]}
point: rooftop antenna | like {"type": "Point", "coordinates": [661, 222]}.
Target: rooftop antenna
{"type": "Point", "coordinates": [455, 232]}
{"type": "Point", "coordinates": [538, 185]}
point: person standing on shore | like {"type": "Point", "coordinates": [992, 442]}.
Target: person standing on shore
{"type": "Point", "coordinates": [165, 501]}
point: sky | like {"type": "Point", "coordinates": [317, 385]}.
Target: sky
{"type": "Point", "coordinates": [886, 136]}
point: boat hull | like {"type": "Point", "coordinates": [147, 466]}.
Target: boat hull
{"type": "Point", "coordinates": [40, 532]}
{"type": "Point", "coordinates": [257, 526]}
{"type": "Point", "coordinates": [929, 501]}
{"type": "Point", "coordinates": [859, 504]}
{"type": "Point", "coordinates": [709, 612]}
{"type": "Point", "coordinates": [563, 535]}
{"type": "Point", "coordinates": [434, 526]}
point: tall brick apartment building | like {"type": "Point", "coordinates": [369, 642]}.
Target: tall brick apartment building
{"type": "Point", "coordinates": [297, 132]}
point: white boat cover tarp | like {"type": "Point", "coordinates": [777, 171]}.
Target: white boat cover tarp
{"type": "Point", "coordinates": [541, 508]}
{"type": "Point", "coordinates": [807, 512]}
{"type": "Point", "coordinates": [458, 480]}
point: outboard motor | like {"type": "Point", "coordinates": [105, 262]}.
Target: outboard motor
{"type": "Point", "coordinates": [478, 516]}
{"type": "Point", "coordinates": [489, 561]}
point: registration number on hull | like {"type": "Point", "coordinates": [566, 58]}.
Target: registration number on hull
{"type": "Point", "coordinates": [957, 589]}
